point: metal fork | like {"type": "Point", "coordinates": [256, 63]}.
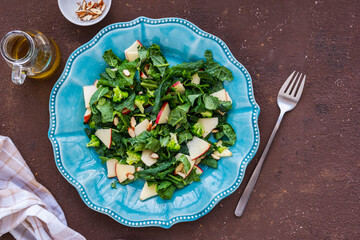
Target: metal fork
{"type": "Point", "coordinates": [289, 95]}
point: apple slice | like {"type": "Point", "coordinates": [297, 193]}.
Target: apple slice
{"type": "Point", "coordinates": [146, 157]}
{"type": "Point", "coordinates": [195, 79]}
{"type": "Point", "coordinates": [131, 53]}
{"type": "Point", "coordinates": [198, 170]}
{"type": "Point", "coordinates": [197, 147]}
{"type": "Point", "coordinates": [125, 111]}
{"type": "Point", "coordinates": [221, 95]}
{"type": "Point", "coordinates": [148, 191]}
{"type": "Point", "coordinates": [179, 87]}
{"type": "Point", "coordinates": [123, 171]}
{"type": "Point", "coordinates": [228, 98]}
{"type": "Point", "coordinates": [110, 165]}
{"type": "Point", "coordinates": [87, 115]}
{"type": "Point", "coordinates": [143, 75]}
{"type": "Point", "coordinates": [163, 115]}
{"type": "Point", "coordinates": [209, 124]}
{"type": "Point", "coordinates": [141, 127]}
{"type": "Point", "coordinates": [105, 136]}
{"type": "Point", "coordinates": [88, 92]}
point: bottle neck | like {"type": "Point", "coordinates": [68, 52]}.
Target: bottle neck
{"type": "Point", "coordinates": [17, 47]}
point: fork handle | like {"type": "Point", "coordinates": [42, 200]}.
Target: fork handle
{"type": "Point", "coordinates": [240, 208]}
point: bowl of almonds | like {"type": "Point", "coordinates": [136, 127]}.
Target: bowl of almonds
{"type": "Point", "coordinates": [84, 12]}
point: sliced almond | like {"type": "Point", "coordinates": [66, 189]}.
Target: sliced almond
{"type": "Point", "coordinates": [83, 5]}
{"type": "Point", "coordinates": [154, 156]}
{"type": "Point", "coordinates": [100, 2]}
{"type": "Point", "coordinates": [153, 127]}
{"type": "Point", "coordinates": [140, 93]}
{"type": "Point", "coordinates": [95, 16]}
{"type": "Point", "coordinates": [89, 5]}
{"type": "Point", "coordinates": [96, 11]}
{"type": "Point", "coordinates": [102, 8]}
{"type": "Point", "coordinates": [132, 123]}
{"type": "Point", "coordinates": [116, 121]}
{"type": "Point", "coordinates": [149, 126]}
{"type": "Point", "coordinates": [222, 113]}
{"type": "Point", "coordinates": [215, 156]}
{"type": "Point", "coordinates": [78, 8]}
{"type": "Point", "coordinates": [131, 132]}
{"type": "Point", "coordinates": [130, 176]}
{"type": "Point", "coordinates": [81, 14]}
{"type": "Point", "coordinates": [95, 5]}
{"type": "Point", "coordinates": [126, 72]}
{"type": "Point", "coordinates": [215, 131]}
{"type": "Point", "coordinates": [86, 17]}
{"type": "Point", "coordinates": [138, 169]}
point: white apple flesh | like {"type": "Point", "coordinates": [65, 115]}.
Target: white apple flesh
{"type": "Point", "coordinates": [197, 147]}
{"type": "Point", "coordinates": [221, 95]}
{"type": "Point", "coordinates": [123, 171]}
{"type": "Point", "coordinates": [131, 53]}
{"type": "Point", "coordinates": [110, 165]}
{"type": "Point", "coordinates": [105, 136]}
{"type": "Point", "coordinates": [209, 124]}
{"type": "Point", "coordinates": [146, 157]}
{"type": "Point", "coordinates": [141, 127]}
{"type": "Point", "coordinates": [148, 191]}
{"type": "Point", "coordinates": [195, 79]}
{"type": "Point", "coordinates": [179, 87]}
{"type": "Point", "coordinates": [88, 92]}
{"type": "Point", "coordinates": [87, 115]}
{"type": "Point", "coordinates": [163, 115]}
{"type": "Point", "coordinates": [198, 170]}
{"type": "Point", "coordinates": [228, 98]}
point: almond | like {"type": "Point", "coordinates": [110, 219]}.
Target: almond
{"type": "Point", "coordinates": [215, 156]}
{"type": "Point", "coordinates": [215, 131]}
{"type": "Point", "coordinates": [100, 2]}
{"type": "Point", "coordinates": [81, 14]}
{"type": "Point", "coordinates": [154, 156]}
{"type": "Point", "coordinates": [132, 123]}
{"type": "Point", "coordinates": [126, 72]}
{"type": "Point", "coordinates": [131, 132]}
{"type": "Point", "coordinates": [130, 176]}
{"type": "Point", "coordinates": [154, 126]}
{"type": "Point", "coordinates": [83, 5]}
{"type": "Point", "coordinates": [102, 8]}
{"type": "Point", "coordinates": [86, 17]}
{"type": "Point", "coordinates": [116, 121]}
{"type": "Point", "coordinates": [149, 126]}
{"type": "Point", "coordinates": [138, 169]}
{"type": "Point", "coordinates": [90, 5]}
{"type": "Point", "coordinates": [96, 11]}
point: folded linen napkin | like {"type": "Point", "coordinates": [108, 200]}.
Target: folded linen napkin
{"type": "Point", "coordinates": [27, 209]}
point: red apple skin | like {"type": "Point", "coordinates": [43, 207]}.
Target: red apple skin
{"type": "Point", "coordinates": [160, 112]}
{"type": "Point", "coordinates": [125, 111]}
{"type": "Point", "coordinates": [203, 152]}
{"type": "Point", "coordinates": [139, 42]}
{"type": "Point", "coordinates": [110, 138]}
{"type": "Point", "coordinates": [199, 168]}
{"type": "Point", "coordinates": [87, 118]}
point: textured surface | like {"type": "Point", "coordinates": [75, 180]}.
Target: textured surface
{"type": "Point", "coordinates": [309, 187]}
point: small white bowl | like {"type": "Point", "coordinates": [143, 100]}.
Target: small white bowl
{"type": "Point", "coordinates": [68, 8]}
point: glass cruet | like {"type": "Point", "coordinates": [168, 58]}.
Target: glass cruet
{"type": "Point", "coordinates": [30, 54]}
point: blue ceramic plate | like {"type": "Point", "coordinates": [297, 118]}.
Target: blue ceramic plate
{"type": "Point", "coordinates": [180, 41]}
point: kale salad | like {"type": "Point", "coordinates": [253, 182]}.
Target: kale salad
{"type": "Point", "coordinates": [152, 121]}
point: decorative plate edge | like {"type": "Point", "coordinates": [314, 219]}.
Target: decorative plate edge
{"type": "Point", "coordinates": [153, 223]}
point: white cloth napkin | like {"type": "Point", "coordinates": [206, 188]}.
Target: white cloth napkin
{"type": "Point", "coordinates": [27, 209]}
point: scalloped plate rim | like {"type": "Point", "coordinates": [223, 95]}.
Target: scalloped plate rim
{"type": "Point", "coordinates": [224, 193]}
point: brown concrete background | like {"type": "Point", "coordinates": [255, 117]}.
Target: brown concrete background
{"type": "Point", "coordinates": [309, 187]}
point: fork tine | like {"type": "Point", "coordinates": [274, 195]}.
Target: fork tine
{"type": "Point", "coordinates": [290, 86]}
{"type": "Point", "coordinates": [301, 88]}
{"type": "Point", "coordinates": [293, 90]}
{"type": "Point", "coordinates": [286, 83]}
